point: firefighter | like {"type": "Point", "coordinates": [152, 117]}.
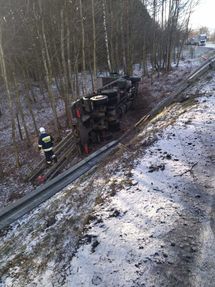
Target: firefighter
{"type": "Point", "coordinates": [45, 144]}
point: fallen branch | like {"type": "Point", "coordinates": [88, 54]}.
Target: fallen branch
{"type": "Point", "coordinates": [189, 170]}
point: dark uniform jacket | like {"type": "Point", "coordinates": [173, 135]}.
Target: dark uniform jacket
{"type": "Point", "coordinates": [45, 142]}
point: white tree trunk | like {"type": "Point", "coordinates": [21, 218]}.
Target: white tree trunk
{"type": "Point", "coordinates": [106, 35]}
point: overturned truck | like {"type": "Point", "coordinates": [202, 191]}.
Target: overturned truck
{"type": "Point", "coordinates": [97, 116]}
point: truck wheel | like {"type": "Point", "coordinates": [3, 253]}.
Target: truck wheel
{"type": "Point", "coordinates": [99, 100]}
{"type": "Point", "coordinates": [112, 112]}
{"type": "Point", "coordinates": [112, 95]}
{"type": "Point", "coordinates": [98, 115]}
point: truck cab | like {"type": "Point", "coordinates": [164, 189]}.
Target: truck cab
{"type": "Point", "coordinates": [202, 39]}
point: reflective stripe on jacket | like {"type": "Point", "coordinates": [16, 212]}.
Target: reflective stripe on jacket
{"type": "Point", "coordinates": [47, 149]}
{"type": "Point", "coordinates": [45, 142]}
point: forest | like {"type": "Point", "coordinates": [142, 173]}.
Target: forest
{"type": "Point", "coordinates": [62, 43]}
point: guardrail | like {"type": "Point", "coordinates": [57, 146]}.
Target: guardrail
{"type": "Point", "coordinates": [210, 63]}
{"type": "Point", "coordinates": [30, 201]}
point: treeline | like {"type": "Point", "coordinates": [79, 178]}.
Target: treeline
{"type": "Point", "coordinates": [53, 41]}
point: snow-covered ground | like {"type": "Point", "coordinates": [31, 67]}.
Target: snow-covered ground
{"type": "Point", "coordinates": [210, 45]}
{"type": "Point", "coordinates": [143, 218]}
{"type": "Point", "coordinates": [159, 229]}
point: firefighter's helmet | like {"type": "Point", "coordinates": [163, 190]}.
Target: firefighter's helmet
{"type": "Point", "coordinates": [42, 130]}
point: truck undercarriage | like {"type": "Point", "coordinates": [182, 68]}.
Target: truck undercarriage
{"type": "Point", "coordinates": [97, 116]}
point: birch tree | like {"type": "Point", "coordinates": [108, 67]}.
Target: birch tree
{"type": "Point", "coordinates": [9, 97]}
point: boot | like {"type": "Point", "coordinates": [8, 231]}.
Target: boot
{"type": "Point", "coordinates": [54, 158]}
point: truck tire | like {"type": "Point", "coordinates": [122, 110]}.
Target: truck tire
{"type": "Point", "coordinates": [98, 114]}
{"type": "Point", "coordinates": [112, 95]}
{"type": "Point", "coordinates": [87, 104]}
{"type": "Point", "coordinates": [112, 113]}
{"type": "Point", "coordinates": [99, 100]}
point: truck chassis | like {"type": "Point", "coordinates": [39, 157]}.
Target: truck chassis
{"type": "Point", "coordinates": [98, 115]}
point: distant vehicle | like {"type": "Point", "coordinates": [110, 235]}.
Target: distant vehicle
{"type": "Point", "coordinates": [193, 41]}
{"type": "Point", "coordinates": [202, 39]}
{"type": "Point", "coordinates": [199, 40]}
